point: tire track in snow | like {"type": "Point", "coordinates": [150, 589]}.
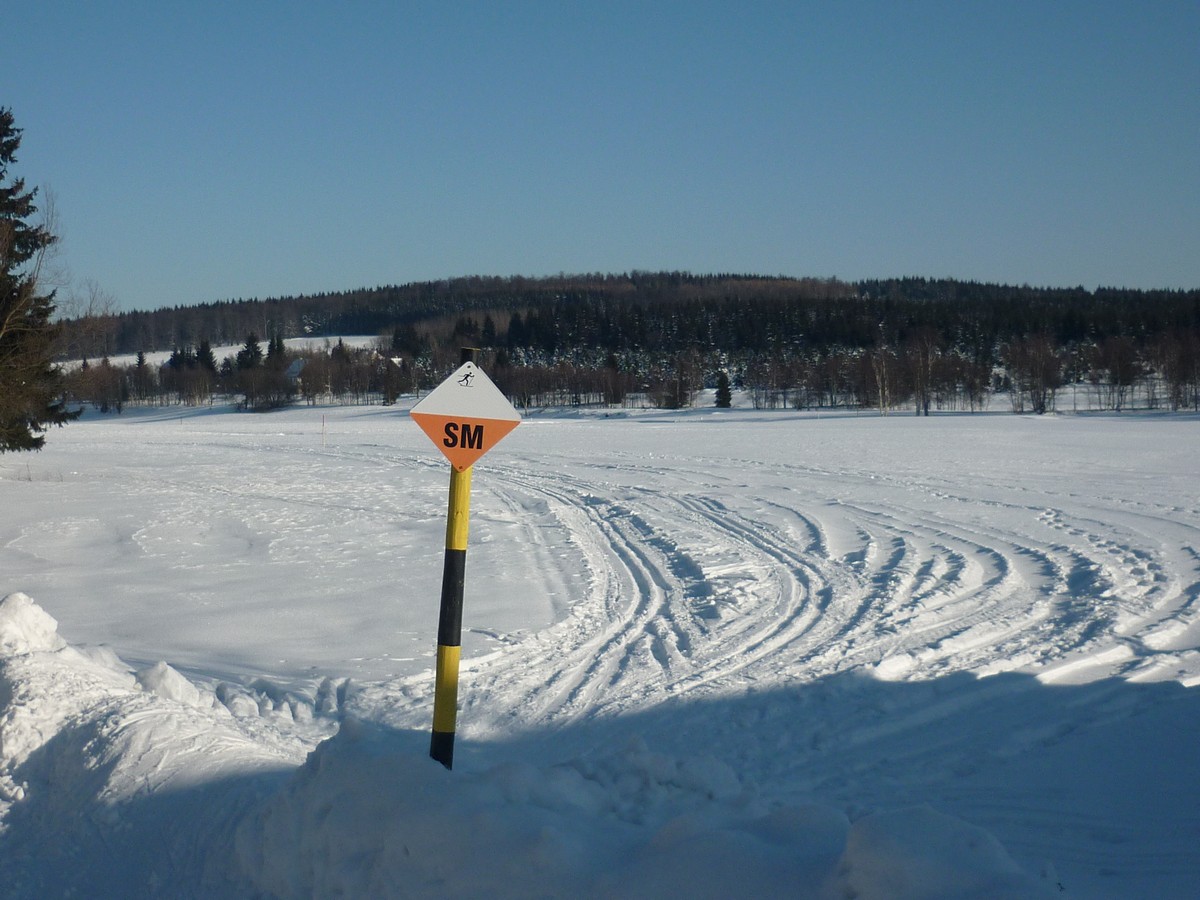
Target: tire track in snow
{"type": "Point", "coordinates": [615, 629]}
{"type": "Point", "coordinates": [698, 582]}
{"type": "Point", "coordinates": [672, 634]}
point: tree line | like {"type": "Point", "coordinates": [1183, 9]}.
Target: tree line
{"type": "Point", "coordinates": [921, 373]}
{"type": "Point", "coordinates": [665, 312]}
{"type": "Point", "coordinates": [658, 338]}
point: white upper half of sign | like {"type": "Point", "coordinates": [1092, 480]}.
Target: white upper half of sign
{"type": "Point", "coordinates": [467, 394]}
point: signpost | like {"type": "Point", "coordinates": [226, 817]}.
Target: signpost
{"type": "Point", "coordinates": [465, 417]}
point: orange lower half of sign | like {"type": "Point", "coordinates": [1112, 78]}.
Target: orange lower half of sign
{"type": "Point", "coordinates": [464, 440]}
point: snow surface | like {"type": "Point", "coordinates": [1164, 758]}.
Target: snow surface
{"type": "Point", "coordinates": [222, 351]}
{"type": "Point", "coordinates": [706, 654]}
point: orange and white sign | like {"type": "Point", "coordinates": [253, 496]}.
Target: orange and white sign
{"type": "Point", "coordinates": [466, 416]}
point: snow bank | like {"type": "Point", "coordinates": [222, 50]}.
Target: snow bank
{"type": "Point", "coordinates": [25, 627]}
{"type": "Point", "coordinates": [121, 785]}
{"type": "Point", "coordinates": [107, 788]}
{"type": "Point", "coordinates": [370, 815]}
{"type": "Point", "coordinates": [161, 679]}
{"type": "Point", "coordinates": [34, 710]}
{"type": "Point", "coordinates": [921, 853]}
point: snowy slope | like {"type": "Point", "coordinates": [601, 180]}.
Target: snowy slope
{"type": "Point", "coordinates": [707, 653]}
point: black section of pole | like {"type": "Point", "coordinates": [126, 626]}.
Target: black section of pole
{"type": "Point", "coordinates": [454, 579]}
{"type": "Point", "coordinates": [441, 748]}
{"type": "Point", "coordinates": [467, 354]}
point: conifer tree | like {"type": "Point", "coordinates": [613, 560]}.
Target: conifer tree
{"type": "Point", "coordinates": [31, 386]}
{"type": "Point", "coordinates": [276, 353]}
{"type": "Point", "coordinates": [205, 358]}
{"type": "Point", "coordinates": [724, 398]}
{"type": "Point", "coordinates": [251, 355]}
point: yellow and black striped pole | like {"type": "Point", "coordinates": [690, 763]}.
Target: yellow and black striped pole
{"type": "Point", "coordinates": [449, 639]}
{"type": "Point", "coordinates": [445, 693]}
{"type": "Point", "coordinates": [465, 416]}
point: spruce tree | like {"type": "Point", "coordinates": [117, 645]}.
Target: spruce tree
{"type": "Point", "coordinates": [276, 353]}
{"type": "Point", "coordinates": [31, 386]}
{"type": "Point", "coordinates": [251, 355]}
{"type": "Point", "coordinates": [724, 394]}
{"type": "Point", "coordinates": [205, 358]}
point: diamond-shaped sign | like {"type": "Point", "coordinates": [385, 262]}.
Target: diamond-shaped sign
{"type": "Point", "coordinates": [465, 416]}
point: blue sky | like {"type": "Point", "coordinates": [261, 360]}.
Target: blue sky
{"type": "Point", "coordinates": [201, 151]}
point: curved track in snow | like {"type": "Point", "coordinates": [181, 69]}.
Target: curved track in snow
{"type": "Point", "coordinates": [705, 578]}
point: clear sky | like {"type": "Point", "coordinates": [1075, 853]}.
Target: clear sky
{"type": "Point", "coordinates": [201, 151]}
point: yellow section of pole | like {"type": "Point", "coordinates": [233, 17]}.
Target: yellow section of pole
{"type": "Point", "coordinates": [458, 517]}
{"type": "Point", "coordinates": [445, 698]}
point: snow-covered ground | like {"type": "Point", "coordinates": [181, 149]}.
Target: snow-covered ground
{"type": "Point", "coordinates": [706, 654]}
{"type": "Point", "coordinates": [159, 358]}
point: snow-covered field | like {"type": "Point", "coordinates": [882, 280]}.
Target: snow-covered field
{"type": "Point", "coordinates": [706, 654]}
{"type": "Point", "coordinates": [158, 358]}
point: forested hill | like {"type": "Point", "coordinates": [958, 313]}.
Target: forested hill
{"type": "Point", "coordinates": [663, 312]}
